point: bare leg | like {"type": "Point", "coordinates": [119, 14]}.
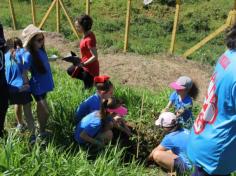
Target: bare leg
{"type": "Point", "coordinates": [42, 113]}
{"type": "Point", "coordinates": [18, 113]}
{"type": "Point", "coordinates": [29, 117]}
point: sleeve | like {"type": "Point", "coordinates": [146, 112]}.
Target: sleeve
{"type": "Point", "coordinates": [82, 110]}
{"type": "Point", "coordinates": [166, 142]}
{"type": "Point", "coordinates": [172, 97]}
{"type": "Point", "coordinates": [27, 61]}
{"type": "Point", "coordinates": [91, 43]}
{"type": "Point", "coordinates": [92, 129]}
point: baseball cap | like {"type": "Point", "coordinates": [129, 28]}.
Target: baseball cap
{"type": "Point", "coordinates": [183, 82]}
{"type": "Point", "coordinates": [166, 119]}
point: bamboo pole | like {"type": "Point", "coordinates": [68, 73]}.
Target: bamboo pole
{"type": "Point", "coordinates": [12, 14]}
{"type": "Point", "coordinates": [69, 19]}
{"type": "Point", "coordinates": [33, 12]}
{"type": "Point", "coordinates": [173, 39]}
{"type": "Point", "coordinates": [127, 26]}
{"type": "Point", "coordinates": [58, 16]}
{"type": "Point", "coordinates": [88, 7]}
{"type": "Point", "coordinates": [47, 14]}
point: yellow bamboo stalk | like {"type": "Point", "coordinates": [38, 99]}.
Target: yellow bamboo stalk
{"type": "Point", "coordinates": [205, 40]}
{"type": "Point", "coordinates": [33, 12]}
{"type": "Point", "coordinates": [127, 26]}
{"type": "Point", "coordinates": [69, 19]}
{"type": "Point", "coordinates": [88, 7]}
{"type": "Point", "coordinates": [173, 39]}
{"type": "Point", "coordinates": [12, 14]}
{"type": "Point", "coordinates": [47, 14]}
{"type": "Point", "coordinates": [58, 16]}
{"type": "Point", "coordinates": [234, 4]}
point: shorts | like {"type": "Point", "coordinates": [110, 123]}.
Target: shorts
{"type": "Point", "coordinates": [40, 97]}
{"type": "Point", "coordinates": [198, 171]}
{"type": "Point", "coordinates": [20, 98]}
{"type": "Point", "coordinates": [180, 166]}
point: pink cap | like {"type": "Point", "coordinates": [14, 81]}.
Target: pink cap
{"type": "Point", "coordinates": [122, 111]}
{"type": "Point", "coordinates": [183, 82]}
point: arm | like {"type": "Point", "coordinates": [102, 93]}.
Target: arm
{"type": "Point", "coordinates": [93, 58]}
{"type": "Point", "coordinates": [26, 85]}
{"type": "Point", "coordinates": [169, 105]}
{"type": "Point", "coordinates": [87, 138]}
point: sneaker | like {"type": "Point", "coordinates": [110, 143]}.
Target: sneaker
{"type": "Point", "coordinates": [20, 127]}
{"type": "Point", "coordinates": [32, 139]}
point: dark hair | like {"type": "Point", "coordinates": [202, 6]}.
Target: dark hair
{"type": "Point", "coordinates": [35, 57]}
{"type": "Point", "coordinates": [104, 86]}
{"type": "Point", "coordinates": [12, 43]}
{"type": "Point", "coordinates": [193, 91]}
{"type": "Point", "coordinates": [18, 42]}
{"type": "Point", "coordinates": [231, 38]}
{"type": "Point", "coordinates": [110, 103]}
{"type": "Point", "coordinates": [85, 21]}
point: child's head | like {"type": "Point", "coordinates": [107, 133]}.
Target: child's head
{"type": "Point", "coordinates": [84, 23]}
{"type": "Point", "coordinates": [168, 121]}
{"type": "Point", "coordinates": [11, 46]}
{"type": "Point", "coordinates": [231, 38]}
{"type": "Point", "coordinates": [185, 86]}
{"type": "Point", "coordinates": [18, 42]}
{"type": "Point", "coordinates": [112, 107]}
{"type": "Point", "coordinates": [104, 86]}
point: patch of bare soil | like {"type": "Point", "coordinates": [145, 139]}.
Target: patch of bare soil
{"type": "Point", "coordinates": [151, 72]}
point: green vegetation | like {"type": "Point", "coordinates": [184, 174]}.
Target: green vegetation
{"type": "Point", "coordinates": [151, 26]}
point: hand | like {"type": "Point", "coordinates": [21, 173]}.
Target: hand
{"type": "Point", "coordinates": [25, 87]}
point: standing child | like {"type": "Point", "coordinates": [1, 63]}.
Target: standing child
{"type": "Point", "coordinates": [171, 153]}
{"type": "Point", "coordinates": [89, 65]}
{"type": "Point", "coordinates": [181, 99]}
{"type": "Point", "coordinates": [41, 81]}
{"type": "Point", "coordinates": [18, 85]}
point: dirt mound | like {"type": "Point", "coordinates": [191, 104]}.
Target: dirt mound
{"type": "Point", "coordinates": [152, 72]}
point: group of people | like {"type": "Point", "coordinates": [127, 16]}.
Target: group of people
{"type": "Point", "coordinates": [204, 146]}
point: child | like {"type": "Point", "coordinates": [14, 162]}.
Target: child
{"type": "Point", "coordinates": [88, 68]}
{"type": "Point", "coordinates": [104, 90]}
{"type": "Point", "coordinates": [18, 85]}
{"type": "Point", "coordinates": [171, 152]}
{"type": "Point", "coordinates": [95, 128]}
{"type": "Point", "coordinates": [181, 99]}
{"type": "Point", "coordinates": [41, 81]}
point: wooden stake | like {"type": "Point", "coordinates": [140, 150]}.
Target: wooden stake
{"type": "Point", "coordinates": [69, 19]}
{"type": "Point", "coordinates": [12, 14]}
{"type": "Point", "coordinates": [58, 16]}
{"type": "Point", "coordinates": [33, 12]}
{"type": "Point", "coordinates": [127, 25]}
{"type": "Point", "coordinates": [88, 7]}
{"type": "Point", "coordinates": [47, 14]}
{"type": "Point", "coordinates": [173, 39]}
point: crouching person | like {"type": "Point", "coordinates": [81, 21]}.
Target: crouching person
{"type": "Point", "coordinates": [171, 152]}
{"type": "Point", "coordinates": [95, 129]}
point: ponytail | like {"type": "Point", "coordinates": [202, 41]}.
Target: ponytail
{"type": "Point", "coordinates": [103, 111]}
{"type": "Point", "coordinates": [193, 91]}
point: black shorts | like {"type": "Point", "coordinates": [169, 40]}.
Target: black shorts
{"type": "Point", "coordinates": [20, 98]}
{"type": "Point", "coordinates": [40, 97]}
{"type": "Point", "coordinates": [180, 167]}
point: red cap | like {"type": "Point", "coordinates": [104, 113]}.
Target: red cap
{"type": "Point", "coordinates": [101, 79]}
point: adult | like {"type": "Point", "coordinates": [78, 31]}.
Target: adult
{"type": "Point", "coordinates": [41, 81]}
{"type": "Point", "coordinates": [89, 65]}
{"type": "Point", "coordinates": [213, 138]}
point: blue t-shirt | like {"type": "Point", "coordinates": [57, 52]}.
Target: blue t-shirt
{"type": "Point", "coordinates": [39, 83]}
{"type": "Point", "coordinates": [14, 70]}
{"type": "Point", "coordinates": [186, 103]}
{"type": "Point", "coordinates": [177, 142]}
{"type": "Point", "coordinates": [91, 124]}
{"type": "Point", "coordinates": [212, 143]}
{"type": "Point", "coordinates": [91, 104]}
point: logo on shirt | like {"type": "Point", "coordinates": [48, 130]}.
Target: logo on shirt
{"type": "Point", "coordinates": [224, 61]}
{"type": "Point", "coordinates": [209, 109]}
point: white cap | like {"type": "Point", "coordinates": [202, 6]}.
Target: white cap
{"type": "Point", "coordinates": [166, 119]}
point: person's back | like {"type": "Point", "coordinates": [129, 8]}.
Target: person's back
{"type": "Point", "coordinates": [213, 139]}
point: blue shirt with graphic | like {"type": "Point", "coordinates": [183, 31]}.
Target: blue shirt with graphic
{"type": "Point", "coordinates": [177, 142]}
{"type": "Point", "coordinates": [212, 143]}
{"type": "Point", "coordinates": [91, 104]}
{"type": "Point", "coordinates": [186, 103]}
{"type": "Point", "coordinates": [90, 124]}
{"type": "Point", "coordinates": [14, 70]}
{"type": "Point", "coordinates": [39, 83]}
